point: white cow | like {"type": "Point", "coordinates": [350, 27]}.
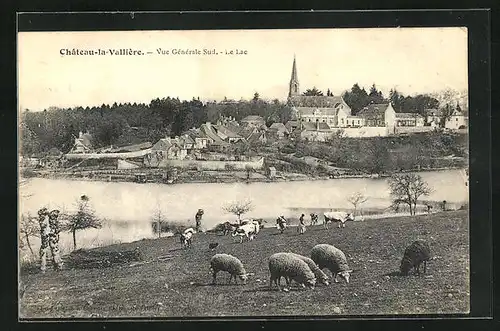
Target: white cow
{"type": "Point", "coordinates": [338, 217]}
{"type": "Point", "coordinates": [245, 231]}
{"type": "Point", "coordinates": [186, 237]}
{"type": "Point", "coordinates": [254, 222]}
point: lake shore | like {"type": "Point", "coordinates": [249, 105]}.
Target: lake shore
{"type": "Point", "coordinates": [157, 176]}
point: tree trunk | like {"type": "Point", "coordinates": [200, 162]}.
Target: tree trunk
{"type": "Point", "coordinates": [410, 209]}
{"type": "Point", "coordinates": [28, 243]}
{"type": "Point", "coordinates": [74, 239]}
{"type": "Point", "coordinates": [239, 219]}
{"type": "Point", "coordinates": [159, 229]}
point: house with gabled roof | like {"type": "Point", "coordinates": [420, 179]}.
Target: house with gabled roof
{"type": "Point", "coordinates": [226, 134]}
{"type": "Point", "coordinates": [409, 119]}
{"type": "Point", "coordinates": [458, 120]}
{"type": "Point", "coordinates": [169, 149]}
{"type": "Point", "coordinates": [201, 141]}
{"type": "Point", "coordinates": [215, 141]}
{"type": "Point", "coordinates": [318, 131]}
{"type": "Point", "coordinates": [279, 130]}
{"type": "Point", "coordinates": [82, 143]}
{"type": "Point", "coordinates": [253, 120]}
{"type": "Point", "coordinates": [379, 115]}
{"type": "Point", "coordinates": [433, 116]}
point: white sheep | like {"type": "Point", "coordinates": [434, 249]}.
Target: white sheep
{"type": "Point", "coordinates": [290, 267]}
{"type": "Point", "coordinates": [318, 273]}
{"type": "Point", "coordinates": [229, 263]}
{"type": "Point", "coordinates": [332, 258]}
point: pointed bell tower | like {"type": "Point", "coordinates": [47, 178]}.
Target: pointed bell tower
{"type": "Point", "coordinates": [294, 81]}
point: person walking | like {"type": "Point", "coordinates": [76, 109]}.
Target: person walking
{"type": "Point", "coordinates": [54, 239]}
{"type": "Point", "coordinates": [197, 218]}
{"type": "Point", "coordinates": [302, 226]}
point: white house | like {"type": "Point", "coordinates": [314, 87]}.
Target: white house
{"type": "Point", "coordinates": [379, 115]}
{"type": "Point", "coordinates": [458, 120]}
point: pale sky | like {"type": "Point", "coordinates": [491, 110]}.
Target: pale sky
{"type": "Point", "coordinates": [413, 60]}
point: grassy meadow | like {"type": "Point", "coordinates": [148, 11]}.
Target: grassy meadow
{"type": "Point", "coordinates": [175, 282]}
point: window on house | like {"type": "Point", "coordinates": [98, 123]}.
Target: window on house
{"type": "Point", "coordinates": [342, 121]}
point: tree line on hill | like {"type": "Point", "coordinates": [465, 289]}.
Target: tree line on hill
{"type": "Point", "coordinates": [123, 124]}
{"type": "Point", "coordinates": [130, 123]}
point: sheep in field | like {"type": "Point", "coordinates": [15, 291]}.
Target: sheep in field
{"type": "Point", "coordinates": [291, 267]}
{"type": "Point", "coordinates": [332, 258]}
{"type": "Point", "coordinates": [230, 264]}
{"type": "Point", "coordinates": [414, 255]}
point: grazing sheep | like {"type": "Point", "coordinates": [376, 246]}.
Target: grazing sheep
{"type": "Point", "coordinates": [290, 267]}
{"type": "Point", "coordinates": [338, 217]}
{"type": "Point", "coordinates": [415, 254]}
{"type": "Point", "coordinates": [229, 263]}
{"type": "Point", "coordinates": [318, 273]}
{"type": "Point", "coordinates": [332, 258]}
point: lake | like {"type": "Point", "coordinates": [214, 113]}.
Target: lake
{"type": "Point", "coordinates": [128, 207]}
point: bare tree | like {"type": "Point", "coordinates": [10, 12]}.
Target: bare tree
{"type": "Point", "coordinates": [238, 208]}
{"type": "Point", "coordinates": [407, 188]}
{"type": "Point", "coordinates": [84, 218]}
{"type": "Point", "coordinates": [357, 199]}
{"type": "Point", "coordinates": [28, 227]}
{"type": "Point", "coordinates": [158, 218]}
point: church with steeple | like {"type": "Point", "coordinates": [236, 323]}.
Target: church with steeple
{"type": "Point", "coordinates": [318, 112]}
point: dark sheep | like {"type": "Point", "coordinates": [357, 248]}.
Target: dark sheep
{"type": "Point", "coordinates": [415, 254]}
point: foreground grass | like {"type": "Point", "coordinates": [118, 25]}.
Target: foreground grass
{"type": "Point", "coordinates": [181, 286]}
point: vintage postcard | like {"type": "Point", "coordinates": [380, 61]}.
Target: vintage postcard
{"type": "Point", "coordinates": [243, 173]}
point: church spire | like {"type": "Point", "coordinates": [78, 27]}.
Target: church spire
{"type": "Point", "coordinates": [294, 81]}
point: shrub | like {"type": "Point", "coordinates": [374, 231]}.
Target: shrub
{"type": "Point", "coordinates": [229, 167]}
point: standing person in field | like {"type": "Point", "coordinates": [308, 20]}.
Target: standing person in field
{"type": "Point", "coordinates": [44, 237]}
{"type": "Point", "coordinates": [54, 239]}
{"type": "Point", "coordinates": [302, 225]}
{"type": "Point", "coordinates": [197, 218]}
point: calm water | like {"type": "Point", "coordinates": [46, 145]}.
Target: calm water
{"type": "Point", "coordinates": [128, 207]}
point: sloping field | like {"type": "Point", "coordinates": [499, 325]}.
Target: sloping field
{"type": "Point", "coordinates": [173, 282]}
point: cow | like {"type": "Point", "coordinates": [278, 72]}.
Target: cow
{"type": "Point", "coordinates": [281, 223]}
{"type": "Point", "coordinates": [314, 218]}
{"type": "Point", "coordinates": [227, 228]}
{"type": "Point", "coordinates": [338, 217]}
{"type": "Point", "coordinates": [245, 231]}
{"type": "Point", "coordinates": [186, 237]}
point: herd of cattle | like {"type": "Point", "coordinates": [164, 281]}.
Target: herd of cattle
{"type": "Point", "coordinates": [247, 229]}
